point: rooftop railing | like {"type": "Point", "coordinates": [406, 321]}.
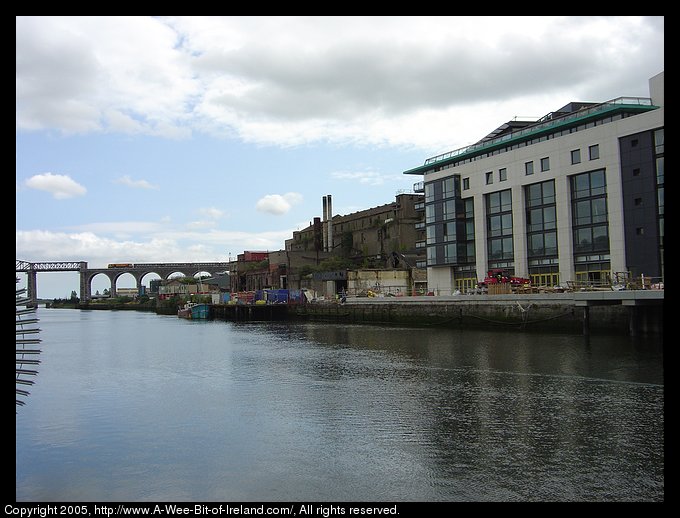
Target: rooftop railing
{"type": "Point", "coordinates": [544, 123]}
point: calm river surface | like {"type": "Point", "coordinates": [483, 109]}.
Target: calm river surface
{"type": "Point", "coordinates": [132, 406]}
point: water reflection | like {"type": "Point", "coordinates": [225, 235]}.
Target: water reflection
{"type": "Point", "coordinates": [317, 412]}
{"type": "Point", "coordinates": [497, 416]}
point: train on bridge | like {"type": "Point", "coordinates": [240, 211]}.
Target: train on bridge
{"type": "Point", "coordinates": [165, 265]}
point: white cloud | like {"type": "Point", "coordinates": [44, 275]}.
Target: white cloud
{"type": "Point", "coordinates": [200, 225]}
{"type": "Point", "coordinates": [78, 74]}
{"type": "Point", "coordinates": [278, 204]}
{"type": "Point", "coordinates": [120, 229]}
{"type": "Point", "coordinates": [407, 81]}
{"type": "Point", "coordinates": [40, 245]}
{"type": "Point", "coordinates": [136, 184]}
{"type": "Point", "coordinates": [211, 212]}
{"type": "Point", "coordinates": [372, 178]}
{"type": "Point", "coordinates": [61, 186]}
{"type": "Point", "coordinates": [161, 245]}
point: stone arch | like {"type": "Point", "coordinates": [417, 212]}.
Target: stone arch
{"type": "Point", "coordinates": [138, 271]}
{"type": "Point", "coordinates": [91, 276]}
{"type": "Point", "coordinates": [173, 272]}
{"type": "Point", "coordinates": [143, 277]}
{"type": "Point", "coordinates": [118, 275]}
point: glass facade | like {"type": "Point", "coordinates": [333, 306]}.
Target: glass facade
{"type": "Point", "coordinates": [499, 229]}
{"type": "Point", "coordinates": [449, 224]}
{"type": "Point", "coordinates": [590, 227]}
{"type": "Point", "coordinates": [541, 231]}
{"type": "Point", "coordinates": [659, 155]}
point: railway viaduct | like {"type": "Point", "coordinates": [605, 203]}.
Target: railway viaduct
{"type": "Point", "coordinates": [137, 270]}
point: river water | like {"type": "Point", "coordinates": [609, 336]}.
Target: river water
{"type": "Point", "coordinates": [133, 406]}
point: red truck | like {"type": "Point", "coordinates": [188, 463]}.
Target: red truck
{"type": "Point", "coordinates": [500, 276]}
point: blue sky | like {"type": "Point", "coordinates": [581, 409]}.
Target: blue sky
{"type": "Point", "coordinates": [152, 139]}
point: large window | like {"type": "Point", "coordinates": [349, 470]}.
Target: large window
{"type": "Point", "coordinates": [431, 255]}
{"type": "Point", "coordinates": [540, 194]}
{"type": "Point", "coordinates": [541, 219]}
{"type": "Point", "coordinates": [590, 225]}
{"type": "Point", "coordinates": [541, 228]}
{"type": "Point", "coordinates": [542, 244]}
{"type": "Point", "coordinates": [430, 234]}
{"type": "Point", "coordinates": [457, 253]}
{"type": "Point", "coordinates": [469, 205]}
{"type": "Point", "coordinates": [429, 213]}
{"type": "Point", "coordinates": [499, 227]}
{"type": "Point", "coordinates": [500, 249]}
{"type": "Point", "coordinates": [588, 184]}
{"type": "Point", "coordinates": [500, 201]}
{"type": "Point", "coordinates": [588, 212]}
{"type": "Point", "coordinates": [448, 188]}
{"type": "Point", "coordinates": [589, 209]}
{"type": "Point", "coordinates": [591, 239]}
{"type": "Point", "coordinates": [449, 209]}
{"type": "Point", "coordinates": [429, 192]}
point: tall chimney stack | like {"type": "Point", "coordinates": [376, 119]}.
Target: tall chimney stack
{"type": "Point", "coordinates": [330, 223]}
{"type": "Point", "coordinates": [324, 224]}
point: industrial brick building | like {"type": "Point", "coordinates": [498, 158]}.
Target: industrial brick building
{"type": "Point", "coordinates": [371, 236]}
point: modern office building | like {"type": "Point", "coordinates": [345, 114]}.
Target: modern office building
{"type": "Point", "coordinates": [577, 195]}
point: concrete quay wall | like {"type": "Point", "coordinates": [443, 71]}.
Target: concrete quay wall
{"type": "Point", "coordinates": [545, 312]}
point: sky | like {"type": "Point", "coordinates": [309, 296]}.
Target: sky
{"type": "Point", "coordinates": [186, 139]}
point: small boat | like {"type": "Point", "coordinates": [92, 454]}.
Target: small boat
{"type": "Point", "coordinates": [185, 311]}
{"type": "Point", "coordinates": [194, 311]}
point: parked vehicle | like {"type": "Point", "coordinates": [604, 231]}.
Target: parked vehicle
{"type": "Point", "coordinates": [501, 276]}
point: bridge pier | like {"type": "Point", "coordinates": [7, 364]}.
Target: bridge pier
{"type": "Point", "coordinates": [85, 293]}
{"type": "Point", "coordinates": [32, 286]}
